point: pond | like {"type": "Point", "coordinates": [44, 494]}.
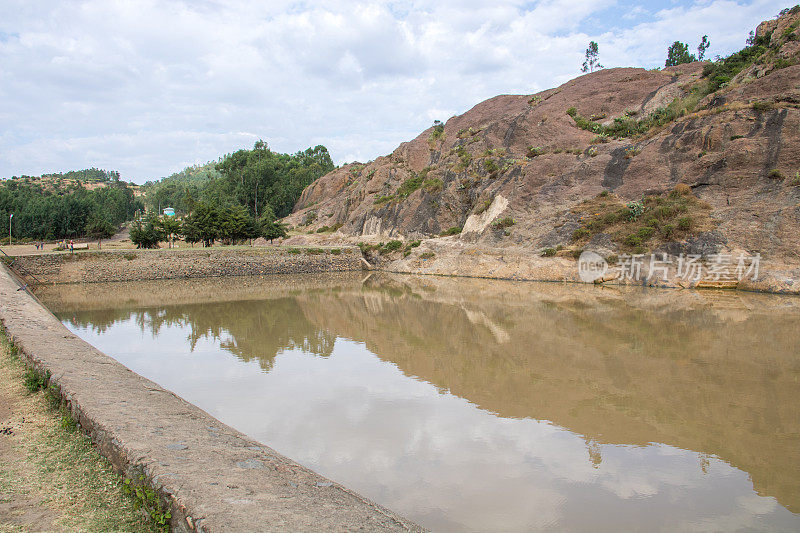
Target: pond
{"type": "Point", "coordinates": [476, 405]}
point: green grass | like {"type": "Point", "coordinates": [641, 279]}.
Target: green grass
{"type": "Point", "coordinates": [409, 186]}
{"type": "Point", "coordinates": [455, 230]}
{"type": "Point", "coordinates": [380, 200]}
{"type": "Point", "coordinates": [640, 225]}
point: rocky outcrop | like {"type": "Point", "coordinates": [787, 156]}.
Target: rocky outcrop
{"type": "Point", "coordinates": [737, 149]}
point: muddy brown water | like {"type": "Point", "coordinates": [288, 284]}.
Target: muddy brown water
{"type": "Point", "coordinates": [471, 405]}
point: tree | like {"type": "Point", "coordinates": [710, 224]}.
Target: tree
{"type": "Point", "coordinates": [270, 228]}
{"type": "Point", "coordinates": [170, 227]}
{"type": "Point", "coordinates": [99, 228]}
{"type": "Point", "coordinates": [190, 231]}
{"type": "Point", "coordinates": [678, 53]}
{"type": "Point", "coordinates": [236, 225]}
{"type": "Point", "coordinates": [702, 47]}
{"type": "Point", "coordinates": [592, 58]}
{"type": "Point", "coordinates": [147, 235]}
{"type": "Point", "coordinates": [204, 220]}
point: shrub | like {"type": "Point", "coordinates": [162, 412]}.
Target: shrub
{"type": "Point", "coordinates": [580, 233]}
{"type": "Point", "coordinates": [603, 194]}
{"type": "Point", "coordinates": [631, 152]}
{"type": "Point", "coordinates": [667, 230]}
{"type": "Point", "coordinates": [490, 166]}
{"type": "Point", "coordinates": [35, 381]}
{"type": "Point", "coordinates": [721, 72]}
{"type": "Point", "coordinates": [455, 230]}
{"type": "Point", "coordinates": [572, 111]}
{"type": "Point", "coordinates": [433, 185]}
{"type": "Point", "coordinates": [310, 217]}
{"type": "Point", "coordinates": [438, 131]}
{"type": "Point", "coordinates": [503, 223]}
{"type": "Point", "coordinates": [409, 186]}
{"type": "Point", "coordinates": [535, 151]}
{"type": "Point", "coordinates": [465, 158]}
{"type": "Point", "coordinates": [548, 252]}
{"type": "Point", "coordinates": [600, 139]}
{"type": "Point", "coordinates": [483, 206]}
{"type": "Point", "coordinates": [612, 259]}
{"type": "Point", "coordinates": [685, 223]}
{"type": "Point", "coordinates": [635, 210]}
{"type": "Point", "coordinates": [782, 62]}
{"type": "Point", "coordinates": [391, 246]}
{"type": "Point", "coordinates": [633, 240]}
{"type": "Point", "coordinates": [427, 255]}
{"type": "Point", "coordinates": [776, 174]}
{"type": "Point", "coordinates": [577, 253]}
{"type": "Point", "coordinates": [681, 189]}
{"type": "Point", "coordinates": [366, 248]}
{"type": "Point", "coordinates": [646, 232]}
{"type": "Point", "coordinates": [662, 212]}
{"type": "Point", "coordinates": [734, 137]}
{"type": "Point", "coordinates": [762, 105]}
{"type": "Point", "coordinates": [796, 179]}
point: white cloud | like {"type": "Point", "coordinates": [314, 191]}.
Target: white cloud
{"type": "Point", "coordinates": [144, 87]}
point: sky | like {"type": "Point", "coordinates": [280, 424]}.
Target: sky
{"type": "Point", "coordinates": [150, 87]}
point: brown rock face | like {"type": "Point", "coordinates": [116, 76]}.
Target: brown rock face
{"type": "Point", "coordinates": [525, 157]}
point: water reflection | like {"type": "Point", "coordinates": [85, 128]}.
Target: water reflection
{"type": "Point", "coordinates": [477, 405]}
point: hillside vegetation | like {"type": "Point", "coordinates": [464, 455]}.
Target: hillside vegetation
{"type": "Point", "coordinates": [256, 180]}
{"type": "Point", "coordinates": [63, 206]}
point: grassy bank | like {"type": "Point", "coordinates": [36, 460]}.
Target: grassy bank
{"type": "Point", "coordinates": [51, 478]}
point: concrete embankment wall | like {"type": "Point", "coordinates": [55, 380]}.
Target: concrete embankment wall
{"type": "Point", "coordinates": [137, 265]}
{"type": "Point", "coordinates": [210, 476]}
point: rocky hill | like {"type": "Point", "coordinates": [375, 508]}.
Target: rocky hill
{"type": "Point", "coordinates": [698, 158]}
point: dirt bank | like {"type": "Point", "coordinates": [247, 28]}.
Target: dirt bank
{"type": "Point", "coordinates": [51, 479]}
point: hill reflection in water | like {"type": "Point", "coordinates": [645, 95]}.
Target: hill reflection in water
{"type": "Point", "coordinates": [486, 405]}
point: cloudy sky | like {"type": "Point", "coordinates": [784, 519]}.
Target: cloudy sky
{"type": "Point", "coordinates": [150, 87]}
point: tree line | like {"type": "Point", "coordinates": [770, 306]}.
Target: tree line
{"type": "Point", "coordinates": [206, 224]}
{"type": "Point", "coordinates": [51, 211]}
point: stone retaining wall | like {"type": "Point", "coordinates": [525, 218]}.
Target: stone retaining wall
{"type": "Point", "coordinates": [137, 265]}
{"type": "Point", "coordinates": [210, 476]}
